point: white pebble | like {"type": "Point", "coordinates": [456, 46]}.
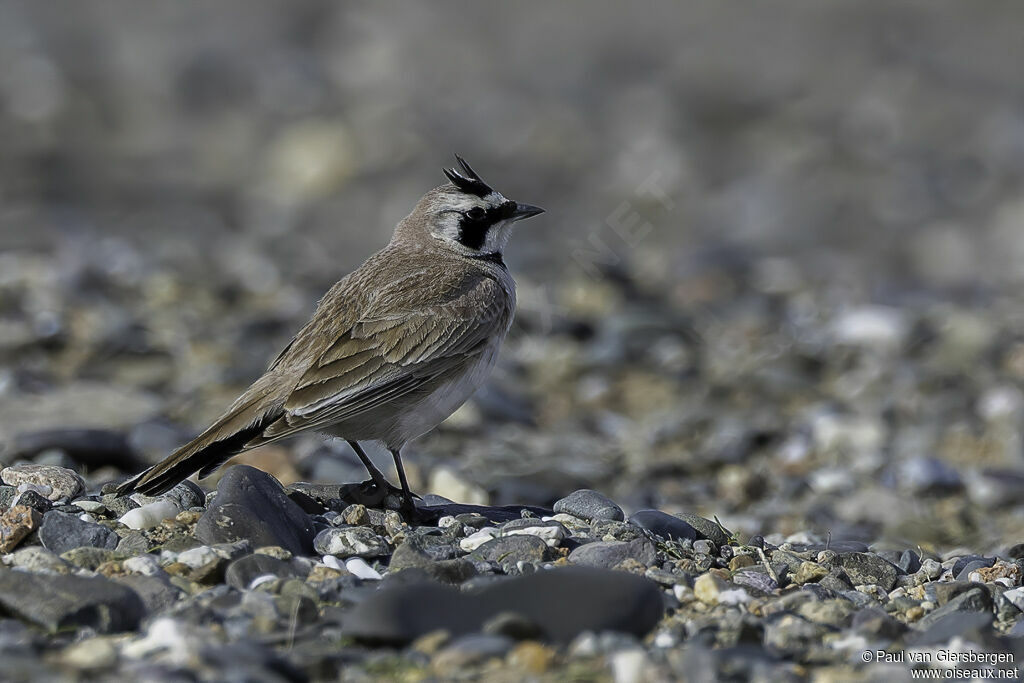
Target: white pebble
{"type": "Point", "coordinates": [871, 326]}
{"type": "Point", "coordinates": [471, 543]}
{"type": "Point", "coordinates": [447, 521]}
{"type": "Point", "coordinates": [167, 641]}
{"type": "Point", "coordinates": [333, 562]}
{"type": "Point", "coordinates": [90, 505]}
{"type": "Point", "coordinates": [142, 564]}
{"type": "Point", "coordinates": [628, 665]}
{"type": "Point", "coordinates": [358, 567]}
{"type": "Point", "coordinates": [737, 596]}
{"type": "Point", "coordinates": [260, 580]}
{"type": "Point", "coordinates": [682, 593]}
{"type": "Point", "coordinates": [665, 640]}
{"type": "Point", "coordinates": [150, 515]}
{"type": "Point", "coordinates": [198, 557]}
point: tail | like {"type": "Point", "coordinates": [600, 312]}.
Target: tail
{"type": "Point", "coordinates": [237, 431]}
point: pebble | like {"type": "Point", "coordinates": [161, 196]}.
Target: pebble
{"type": "Point", "coordinates": [350, 542]}
{"type": "Point", "coordinates": [60, 484]}
{"type": "Point", "coordinates": [357, 567]}
{"type": "Point", "coordinates": [251, 505]}
{"type": "Point", "coordinates": [61, 532]}
{"type": "Point", "coordinates": [589, 505]}
{"type": "Point", "coordinates": [149, 515]}
{"type": "Point", "coordinates": [15, 524]}
{"type": "Point", "coordinates": [663, 524]}
{"type": "Point", "coordinates": [609, 554]}
{"type": "Point", "coordinates": [509, 551]}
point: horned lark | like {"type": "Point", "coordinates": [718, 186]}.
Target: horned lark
{"type": "Point", "coordinates": [393, 349]}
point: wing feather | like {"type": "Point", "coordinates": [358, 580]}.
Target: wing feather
{"type": "Point", "coordinates": [391, 351]}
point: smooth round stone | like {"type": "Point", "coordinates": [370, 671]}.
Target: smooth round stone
{"type": "Point", "coordinates": [562, 602]}
{"type": "Point", "coordinates": [61, 532]}
{"type": "Point", "coordinates": [664, 525]}
{"type": "Point", "coordinates": [149, 515]}
{"type": "Point", "coordinates": [509, 551]}
{"type": "Point", "coordinates": [978, 560]}
{"type": "Point", "coordinates": [250, 504]}
{"type": "Point", "coordinates": [63, 483]}
{"type": "Point", "coordinates": [608, 554]}
{"type": "Point", "coordinates": [186, 495]}
{"type": "Point", "coordinates": [350, 542]}
{"type": "Point", "coordinates": [412, 555]}
{"type": "Point", "coordinates": [589, 505]}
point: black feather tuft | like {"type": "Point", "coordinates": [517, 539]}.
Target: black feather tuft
{"type": "Point", "coordinates": [468, 180]}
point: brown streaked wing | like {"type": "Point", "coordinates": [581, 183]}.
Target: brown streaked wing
{"type": "Point", "coordinates": [389, 353]}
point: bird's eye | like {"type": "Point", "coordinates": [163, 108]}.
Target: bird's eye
{"type": "Point", "coordinates": [476, 214]}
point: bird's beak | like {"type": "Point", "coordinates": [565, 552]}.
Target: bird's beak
{"type": "Point", "coordinates": [524, 211]}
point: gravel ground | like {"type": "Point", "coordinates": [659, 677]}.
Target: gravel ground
{"type": "Point", "coordinates": [758, 417]}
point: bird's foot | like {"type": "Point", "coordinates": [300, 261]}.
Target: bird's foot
{"type": "Point", "coordinates": [373, 495]}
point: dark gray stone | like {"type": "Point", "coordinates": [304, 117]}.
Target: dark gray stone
{"type": "Point", "coordinates": [607, 554]}
{"type": "Point", "coordinates": [909, 562]}
{"type": "Point", "coordinates": [663, 524]}
{"type": "Point", "coordinates": [57, 602]}
{"type": "Point", "coordinates": [865, 568]}
{"type": "Point", "coordinates": [975, 600]}
{"type": "Point", "coordinates": [157, 593]}
{"type": "Point", "coordinates": [965, 570]}
{"type": "Point", "coordinates": [412, 554]}
{"type": "Point", "coordinates": [706, 528]}
{"type": "Point", "coordinates": [250, 504]}
{"type": "Point", "coordinates": [975, 627]}
{"type": "Point", "coordinates": [241, 572]}
{"type": "Point", "coordinates": [978, 560]}
{"type": "Point", "coordinates": [118, 505]}
{"type": "Point", "coordinates": [563, 602]}
{"type": "Point", "coordinates": [61, 532]}
{"type": "Point", "coordinates": [757, 580]}
{"type": "Point", "coordinates": [187, 494]}
{"type": "Point", "coordinates": [589, 505]}
{"type": "Point", "coordinates": [508, 551]}
{"type": "Point", "coordinates": [875, 623]}
{"type": "Point", "coordinates": [34, 500]}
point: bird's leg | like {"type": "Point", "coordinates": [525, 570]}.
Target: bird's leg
{"type": "Point", "coordinates": [376, 475]}
{"type": "Point", "coordinates": [408, 507]}
{"type": "Point", "coordinates": [377, 490]}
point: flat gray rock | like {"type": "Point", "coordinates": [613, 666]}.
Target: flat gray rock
{"type": "Point", "coordinates": [562, 602]}
{"type": "Point", "coordinates": [56, 601]}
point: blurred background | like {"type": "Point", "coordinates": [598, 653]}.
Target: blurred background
{"type": "Point", "coordinates": [777, 283]}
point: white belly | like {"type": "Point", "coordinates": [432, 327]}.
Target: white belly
{"type": "Point", "coordinates": [446, 399]}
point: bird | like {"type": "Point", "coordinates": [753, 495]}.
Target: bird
{"type": "Point", "coordinates": [392, 349]}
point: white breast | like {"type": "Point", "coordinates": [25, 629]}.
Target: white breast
{"type": "Point", "coordinates": [447, 398]}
